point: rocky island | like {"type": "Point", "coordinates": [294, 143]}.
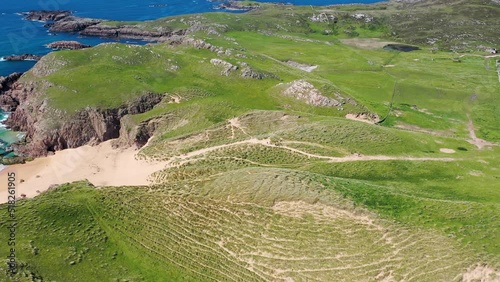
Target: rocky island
{"type": "Point", "coordinates": [64, 21]}
{"type": "Point", "coordinates": [46, 15]}
{"type": "Point", "coordinates": [67, 45]}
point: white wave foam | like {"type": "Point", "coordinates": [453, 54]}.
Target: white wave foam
{"type": "Point", "coordinates": [4, 117]}
{"type": "Point", "coordinates": [2, 59]}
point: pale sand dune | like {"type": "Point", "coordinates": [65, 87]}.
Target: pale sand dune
{"type": "Point", "coordinates": [101, 165]}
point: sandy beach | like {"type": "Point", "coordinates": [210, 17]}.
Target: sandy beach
{"type": "Point", "coordinates": [101, 165]}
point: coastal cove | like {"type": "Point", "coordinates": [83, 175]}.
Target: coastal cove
{"type": "Point", "coordinates": [260, 142]}
{"type": "Point", "coordinates": [33, 37]}
{"type": "Point", "coordinates": [27, 37]}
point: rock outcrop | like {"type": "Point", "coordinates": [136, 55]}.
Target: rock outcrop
{"type": "Point", "coordinates": [7, 102]}
{"type": "Point", "coordinates": [23, 57]}
{"type": "Point", "coordinates": [137, 134]}
{"type": "Point", "coordinates": [7, 81]}
{"type": "Point", "coordinates": [131, 32]}
{"type": "Point", "coordinates": [306, 92]}
{"type": "Point", "coordinates": [67, 45]}
{"type": "Point", "coordinates": [227, 67]}
{"type": "Point", "coordinates": [45, 15]}
{"type": "Point", "coordinates": [237, 6]}
{"type": "Point", "coordinates": [48, 129]}
{"type": "Point", "coordinates": [63, 21]}
{"type": "Point", "coordinates": [72, 24]}
{"type": "Point", "coordinates": [248, 72]}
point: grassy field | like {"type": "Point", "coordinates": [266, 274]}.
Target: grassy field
{"type": "Point", "coordinates": [263, 186]}
{"type": "Point", "coordinates": [254, 227]}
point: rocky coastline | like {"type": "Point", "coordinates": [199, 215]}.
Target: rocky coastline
{"type": "Point", "coordinates": [46, 15]}
{"type": "Point", "coordinates": [8, 103]}
{"type": "Point", "coordinates": [48, 130]}
{"type": "Point", "coordinates": [23, 57]}
{"type": "Point", "coordinates": [67, 45]}
{"type": "Point", "coordinates": [64, 21]}
{"type": "Point", "coordinates": [237, 6]}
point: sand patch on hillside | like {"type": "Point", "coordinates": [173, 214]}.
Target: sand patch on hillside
{"type": "Point", "coordinates": [481, 273]}
{"type": "Point", "coordinates": [304, 67]}
{"type": "Point", "coordinates": [102, 165]}
{"type": "Point", "coordinates": [371, 119]}
{"type": "Point", "coordinates": [300, 209]}
{"type": "Point", "coordinates": [447, 151]}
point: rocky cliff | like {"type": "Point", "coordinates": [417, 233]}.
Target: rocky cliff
{"type": "Point", "coordinates": [48, 129]}
{"type": "Point", "coordinates": [45, 15]}
{"type": "Point", "coordinates": [8, 103]}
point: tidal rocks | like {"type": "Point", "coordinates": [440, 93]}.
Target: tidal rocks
{"type": "Point", "coordinates": [237, 6]}
{"type": "Point", "coordinates": [67, 45]}
{"type": "Point", "coordinates": [45, 15]}
{"type": "Point", "coordinates": [23, 57]}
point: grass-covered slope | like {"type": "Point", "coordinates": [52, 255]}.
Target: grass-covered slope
{"type": "Point", "coordinates": [248, 225]}
{"type": "Point", "coordinates": [259, 183]}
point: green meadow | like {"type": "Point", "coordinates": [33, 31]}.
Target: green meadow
{"type": "Point", "coordinates": [261, 186]}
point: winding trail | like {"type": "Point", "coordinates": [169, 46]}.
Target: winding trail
{"type": "Point", "coordinates": [103, 165]}
{"type": "Point", "coordinates": [474, 140]}
{"type": "Point", "coordinates": [179, 160]}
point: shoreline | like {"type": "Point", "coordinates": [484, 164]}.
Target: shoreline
{"type": "Point", "coordinates": [101, 165]}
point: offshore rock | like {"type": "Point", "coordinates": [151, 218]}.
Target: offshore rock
{"type": "Point", "coordinates": [67, 45]}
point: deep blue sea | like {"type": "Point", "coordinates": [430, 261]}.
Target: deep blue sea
{"type": "Point", "coordinates": [18, 36]}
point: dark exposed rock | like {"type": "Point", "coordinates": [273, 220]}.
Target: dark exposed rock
{"type": "Point", "coordinates": [131, 32]}
{"type": "Point", "coordinates": [7, 102]}
{"type": "Point", "coordinates": [7, 81]}
{"type": "Point", "coordinates": [23, 57]}
{"type": "Point", "coordinates": [46, 15]}
{"type": "Point", "coordinates": [67, 45]}
{"type": "Point", "coordinates": [49, 130]}
{"type": "Point", "coordinates": [227, 67]}
{"type": "Point", "coordinates": [63, 21]}
{"type": "Point", "coordinates": [72, 24]}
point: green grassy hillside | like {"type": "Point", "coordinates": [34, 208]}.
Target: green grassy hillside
{"type": "Point", "coordinates": [263, 182]}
